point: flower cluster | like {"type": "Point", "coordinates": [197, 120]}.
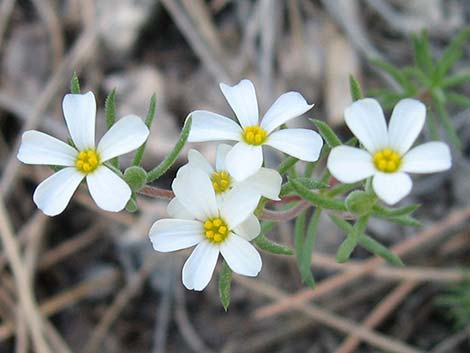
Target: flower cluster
{"type": "Point", "coordinates": [216, 208]}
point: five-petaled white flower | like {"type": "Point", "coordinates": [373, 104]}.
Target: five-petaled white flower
{"type": "Point", "coordinates": [265, 182]}
{"type": "Point", "coordinates": [224, 227]}
{"type": "Point", "coordinates": [388, 157]}
{"type": "Point", "coordinates": [246, 157]}
{"type": "Point", "coordinates": [109, 191]}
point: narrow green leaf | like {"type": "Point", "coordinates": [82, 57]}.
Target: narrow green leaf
{"type": "Point", "coordinates": [160, 169]}
{"type": "Point", "coordinates": [148, 122]}
{"type": "Point", "coordinates": [327, 133]}
{"type": "Point", "coordinates": [349, 244]}
{"type": "Point", "coordinates": [422, 53]}
{"type": "Point", "coordinates": [270, 246]}
{"type": "Point", "coordinates": [75, 84]}
{"type": "Point", "coordinates": [309, 243]}
{"type": "Point", "coordinates": [342, 188]}
{"type": "Point", "coordinates": [110, 108]}
{"type": "Point", "coordinates": [393, 72]}
{"type": "Point", "coordinates": [225, 284]}
{"type": "Point", "coordinates": [456, 79]}
{"type": "Point", "coordinates": [286, 164]}
{"type": "Point", "coordinates": [355, 88]}
{"type": "Point", "coordinates": [299, 236]}
{"type": "Point", "coordinates": [446, 122]}
{"type": "Point", "coordinates": [369, 243]}
{"type": "Point", "coordinates": [378, 249]}
{"type": "Point", "coordinates": [405, 220]}
{"type": "Point", "coordinates": [312, 184]}
{"type": "Point", "coordinates": [452, 53]}
{"type": "Point", "coordinates": [390, 212]}
{"type": "Point", "coordinates": [458, 99]}
{"type": "Point", "coordinates": [110, 112]}
{"type": "Point", "coordinates": [316, 199]}
{"type": "Point", "coordinates": [419, 75]}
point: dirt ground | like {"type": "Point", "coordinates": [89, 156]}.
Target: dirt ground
{"type": "Point", "coordinates": [95, 282]}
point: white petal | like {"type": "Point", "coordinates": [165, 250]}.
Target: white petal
{"type": "Point", "coordinates": [207, 126]}
{"type": "Point", "coordinates": [427, 158]}
{"type": "Point", "coordinates": [54, 193]}
{"type": "Point", "coordinates": [241, 256]}
{"type": "Point", "coordinates": [249, 229]}
{"type": "Point", "coordinates": [176, 210]}
{"type": "Point", "coordinates": [300, 143]}
{"type": "Point", "coordinates": [392, 187]}
{"type": "Point", "coordinates": [266, 182]}
{"type": "Point", "coordinates": [244, 160]}
{"type": "Point", "coordinates": [242, 100]}
{"type": "Point", "coordinates": [80, 114]}
{"type": "Point", "coordinates": [405, 124]}
{"type": "Point", "coordinates": [198, 269]}
{"type": "Point", "coordinates": [109, 191]}
{"type": "Point", "coordinates": [197, 160]}
{"type": "Point", "coordinates": [39, 148]}
{"type": "Point", "coordinates": [195, 192]}
{"type": "Point", "coordinates": [222, 151]}
{"type": "Point", "coordinates": [175, 234]}
{"type": "Point", "coordinates": [365, 118]}
{"type": "Point", "coordinates": [350, 164]}
{"type": "Point", "coordinates": [237, 205]}
{"type": "Point", "coordinates": [288, 106]}
{"type": "Point", "coordinates": [126, 135]}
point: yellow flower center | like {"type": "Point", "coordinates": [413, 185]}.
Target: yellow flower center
{"type": "Point", "coordinates": [216, 230]}
{"type": "Point", "coordinates": [87, 161]}
{"type": "Point", "coordinates": [221, 181]}
{"type": "Point", "coordinates": [387, 161]}
{"type": "Point", "coordinates": [254, 135]}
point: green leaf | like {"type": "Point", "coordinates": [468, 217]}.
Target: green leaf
{"type": "Point", "coordinates": [422, 53]}
{"type": "Point", "coordinates": [110, 113]}
{"type": "Point", "coordinates": [286, 164]}
{"type": "Point", "coordinates": [110, 108]}
{"type": "Point", "coordinates": [316, 199]}
{"type": "Point", "coordinates": [446, 122]}
{"type": "Point", "coordinates": [355, 88]}
{"type": "Point", "coordinates": [136, 177]}
{"type": "Point", "coordinates": [419, 75]}
{"type": "Point", "coordinates": [458, 99]}
{"type": "Point", "coordinates": [299, 235]}
{"type": "Point", "coordinates": [270, 246]}
{"type": "Point", "coordinates": [393, 72]}
{"type": "Point", "coordinates": [311, 184]}
{"type": "Point", "coordinates": [456, 79]}
{"type": "Point", "coordinates": [131, 205]}
{"type": "Point", "coordinates": [148, 122]}
{"type": "Point", "coordinates": [327, 133]}
{"type": "Point", "coordinates": [349, 244]}
{"type": "Point", "coordinates": [360, 202]}
{"type": "Point", "coordinates": [309, 243]}
{"type": "Point", "coordinates": [405, 220]}
{"type": "Point", "coordinates": [390, 212]}
{"type": "Point", "coordinates": [160, 169]}
{"type": "Point", "coordinates": [342, 188]}
{"type": "Point", "coordinates": [452, 53]}
{"type": "Point", "coordinates": [75, 84]}
{"type": "Point", "coordinates": [225, 284]}
{"type": "Point", "coordinates": [369, 243]}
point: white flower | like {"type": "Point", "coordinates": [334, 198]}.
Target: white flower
{"type": "Point", "coordinates": [265, 182]}
{"type": "Point", "coordinates": [225, 227]}
{"type": "Point", "coordinates": [388, 157]}
{"type": "Point", "coordinates": [109, 191]}
{"type": "Point", "coordinates": [246, 157]}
